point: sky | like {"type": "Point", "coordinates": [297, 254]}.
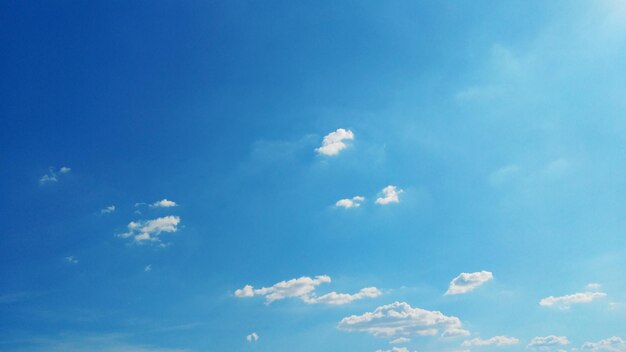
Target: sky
{"type": "Point", "coordinates": [377, 176]}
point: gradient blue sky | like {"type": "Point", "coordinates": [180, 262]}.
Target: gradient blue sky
{"type": "Point", "coordinates": [502, 122]}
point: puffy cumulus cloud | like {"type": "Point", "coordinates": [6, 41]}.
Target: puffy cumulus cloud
{"type": "Point", "coordinates": [399, 319]}
{"type": "Point", "coordinates": [612, 344]}
{"type": "Point", "coordinates": [494, 341]}
{"type": "Point", "coordinates": [547, 343]}
{"type": "Point", "coordinates": [353, 202]}
{"type": "Point", "coordinates": [333, 142]}
{"type": "Point", "coordinates": [400, 340]}
{"type": "Point", "coordinates": [163, 203]}
{"type": "Point", "coordinates": [467, 282]}
{"type": "Point", "coordinates": [395, 349]}
{"type": "Point", "coordinates": [303, 288]}
{"type": "Point", "coordinates": [107, 210]}
{"type": "Point", "coordinates": [564, 302]}
{"type": "Point", "coordinates": [390, 194]}
{"type": "Point", "coordinates": [53, 175]}
{"type": "Point", "coordinates": [253, 337]}
{"type": "Point", "coordinates": [147, 231]}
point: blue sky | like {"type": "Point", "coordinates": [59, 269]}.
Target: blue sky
{"type": "Point", "coordinates": [312, 176]}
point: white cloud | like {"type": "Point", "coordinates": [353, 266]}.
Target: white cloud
{"type": "Point", "coordinates": [52, 175]}
{"type": "Point", "coordinates": [399, 319]}
{"type": "Point", "coordinates": [163, 203]}
{"type": "Point", "coordinates": [503, 174]}
{"type": "Point", "coordinates": [390, 195]}
{"type": "Point", "coordinates": [593, 286]}
{"type": "Point", "coordinates": [400, 340]}
{"type": "Point", "coordinates": [71, 259]}
{"type": "Point", "coordinates": [107, 210]}
{"type": "Point", "coordinates": [353, 202]}
{"type": "Point", "coordinates": [495, 341]}
{"type": "Point", "coordinates": [303, 288]}
{"type": "Point", "coordinates": [148, 268]}
{"type": "Point", "coordinates": [395, 349]}
{"type": "Point", "coordinates": [253, 337]}
{"type": "Point", "coordinates": [149, 231]}
{"type": "Point", "coordinates": [546, 343]}
{"type": "Point", "coordinates": [333, 142]}
{"type": "Point", "coordinates": [564, 302]}
{"type": "Point", "coordinates": [467, 282]}
{"type": "Point", "coordinates": [344, 298]}
{"type": "Point", "coordinates": [612, 344]}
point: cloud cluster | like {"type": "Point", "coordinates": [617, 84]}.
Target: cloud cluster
{"type": "Point", "coordinates": [333, 142]}
{"type": "Point", "coordinates": [612, 344]}
{"type": "Point", "coordinates": [546, 343]}
{"type": "Point", "coordinates": [353, 202]}
{"type": "Point", "coordinates": [467, 282]}
{"type": "Point", "coordinates": [390, 194]}
{"type": "Point", "coordinates": [399, 319]}
{"type": "Point", "coordinates": [564, 302]}
{"type": "Point", "coordinates": [53, 176]}
{"type": "Point", "coordinates": [147, 231]}
{"type": "Point", "coordinates": [303, 288]}
{"type": "Point", "coordinates": [494, 341]}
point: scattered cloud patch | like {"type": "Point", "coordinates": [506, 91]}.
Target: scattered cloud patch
{"type": "Point", "coordinates": [494, 341]}
{"type": "Point", "coordinates": [395, 349]}
{"type": "Point", "coordinates": [612, 344]}
{"type": "Point", "coordinates": [149, 231]}
{"type": "Point", "coordinates": [303, 288]}
{"type": "Point", "coordinates": [353, 202]}
{"type": "Point", "coordinates": [253, 337]}
{"type": "Point", "coordinates": [467, 282]}
{"type": "Point", "coordinates": [390, 194]}
{"type": "Point", "coordinates": [163, 203]}
{"type": "Point", "coordinates": [400, 340]}
{"type": "Point", "coordinates": [547, 343]}
{"type": "Point", "coordinates": [148, 268]}
{"type": "Point", "coordinates": [107, 210]}
{"type": "Point", "coordinates": [399, 319]}
{"type": "Point", "coordinates": [53, 175]}
{"type": "Point", "coordinates": [564, 302]}
{"type": "Point", "coordinates": [71, 259]}
{"type": "Point", "coordinates": [593, 286]}
{"type": "Point", "coordinates": [333, 142]}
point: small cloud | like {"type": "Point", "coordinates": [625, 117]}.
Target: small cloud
{"type": "Point", "coordinates": [467, 282]}
{"type": "Point", "coordinates": [71, 259]}
{"type": "Point", "coordinates": [503, 174]}
{"type": "Point", "coordinates": [400, 340]}
{"type": "Point", "coordinates": [107, 210]}
{"type": "Point", "coordinates": [353, 202]}
{"type": "Point", "coordinates": [163, 203]}
{"type": "Point", "coordinates": [253, 337]}
{"type": "Point", "coordinates": [399, 319]}
{"type": "Point", "coordinates": [333, 142]}
{"type": "Point", "coordinates": [395, 349]}
{"type": "Point", "coordinates": [612, 344]}
{"type": "Point", "coordinates": [52, 175]}
{"type": "Point", "coordinates": [494, 341]}
{"type": "Point", "coordinates": [593, 286]}
{"type": "Point", "coordinates": [547, 343]}
{"type": "Point", "coordinates": [146, 231]}
{"type": "Point", "coordinates": [390, 195]}
{"type": "Point", "coordinates": [303, 288]}
{"type": "Point", "coordinates": [564, 302]}
{"type": "Point", "coordinates": [148, 268]}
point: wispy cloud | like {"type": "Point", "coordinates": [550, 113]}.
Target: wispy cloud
{"type": "Point", "coordinates": [303, 288]}
{"type": "Point", "coordinates": [564, 302]}
{"type": "Point", "coordinates": [547, 343]}
{"type": "Point", "coordinates": [493, 341]}
{"type": "Point", "coordinates": [71, 259]}
{"type": "Point", "coordinates": [467, 282]}
{"type": "Point", "coordinates": [390, 194]}
{"type": "Point", "coordinates": [53, 175]}
{"type": "Point", "coordinates": [253, 337]}
{"type": "Point", "coordinates": [334, 142]}
{"type": "Point", "coordinates": [107, 210]}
